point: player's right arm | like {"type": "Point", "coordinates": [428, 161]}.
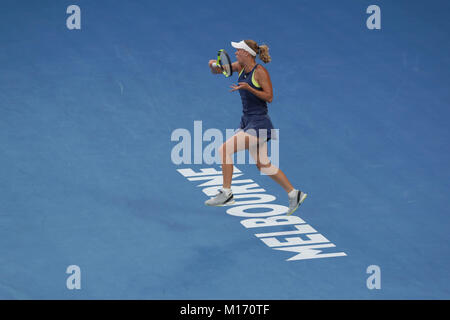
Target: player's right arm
{"type": "Point", "coordinates": [214, 70]}
{"type": "Point", "coordinates": [236, 66]}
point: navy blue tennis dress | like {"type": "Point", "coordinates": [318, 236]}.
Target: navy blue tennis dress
{"type": "Point", "coordinates": [255, 114]}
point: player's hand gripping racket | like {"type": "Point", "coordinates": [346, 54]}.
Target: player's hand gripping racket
{"type": "Point", "coordinates": [224, 63]}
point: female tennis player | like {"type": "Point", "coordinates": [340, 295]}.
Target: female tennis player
{"type": "Point", "coordinates": [255, 88]}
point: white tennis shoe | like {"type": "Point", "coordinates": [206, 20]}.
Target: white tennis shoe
{"type": "Point", "coordinates": [221, 199]}
{"type": "Point", "coordinates": [295, 201]}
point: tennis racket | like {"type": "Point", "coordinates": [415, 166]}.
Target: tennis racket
{"type": "Point", "coordinates": [224, 63]}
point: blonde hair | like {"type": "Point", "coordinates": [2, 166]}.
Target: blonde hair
{"type": "Point", "coordinates": [262, 50]}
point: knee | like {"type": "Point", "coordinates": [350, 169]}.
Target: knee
{"type": "Point", "coordinates": [261, 166]}
{"type": "Point", "coordinates": [267, 168]}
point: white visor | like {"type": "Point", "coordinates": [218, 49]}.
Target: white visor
{"type": "Point", "coordinates": [243, 45]}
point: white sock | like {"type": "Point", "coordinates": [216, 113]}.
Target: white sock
{"type": "Point", "coordinates": [227, 190]}
{"type": "Point", "coordinates": [293, 193]}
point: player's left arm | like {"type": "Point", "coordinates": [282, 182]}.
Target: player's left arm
{"type": "Point", "coordinates": [263, 78]}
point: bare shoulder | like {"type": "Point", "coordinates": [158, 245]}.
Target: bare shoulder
{"type": "Point", "coordinates": [261, 72]}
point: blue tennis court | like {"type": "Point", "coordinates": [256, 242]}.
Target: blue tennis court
{"type": "Point", "coordinates": [87, 179]}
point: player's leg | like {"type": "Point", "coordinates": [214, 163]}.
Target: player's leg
{"type": "Point", "coordinates": [258, 150]}
{"type": "Point", "coordinates": [236, 143]}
